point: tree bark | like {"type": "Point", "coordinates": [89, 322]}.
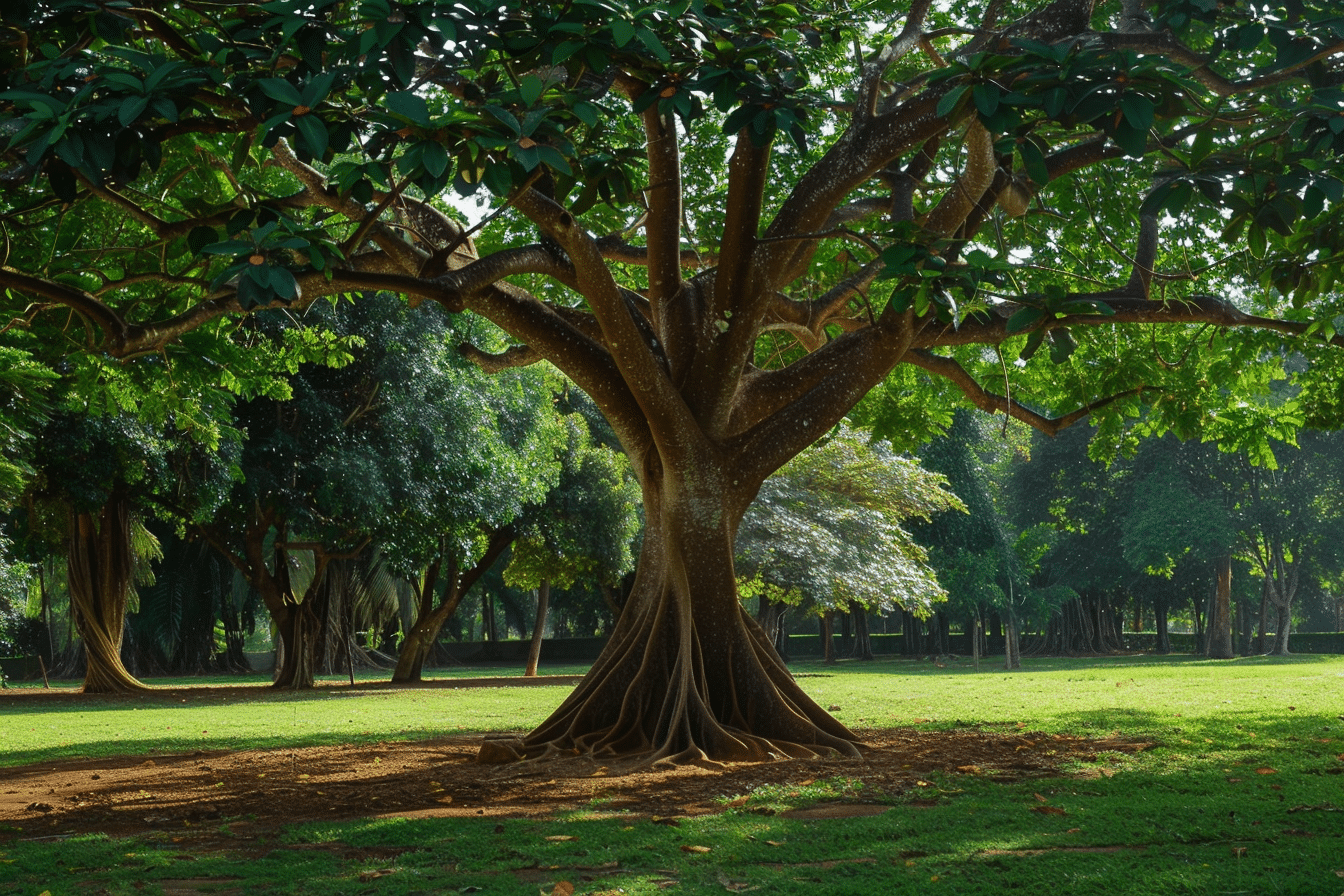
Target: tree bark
{"type": "Point", "coordinates": [687, 675]}
{"type": "Point", "coordinates": [419, 642]}
{"type": "Point", "coordinates": [534, 649]}
{"type": "Point", "coordinates": [100, 577]}
{"type": "Point", "coordinates": [1160, 620]}
{"type": "Point", "coordinates": [863, 642]}
{"type": "Point", "coordinates": [1220, 617]}
{"type": "Point", "coordinates": [1012, 656]}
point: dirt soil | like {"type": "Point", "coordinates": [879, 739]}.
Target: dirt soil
{"type": "Point", "coordinates": [253, 791]}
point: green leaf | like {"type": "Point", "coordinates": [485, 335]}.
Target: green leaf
{"type": "Point", "coordinates": [228, 247]}
{"type": "Point", "coordinates": [1033, 343]}
{"type": "Point", "coordinates": [281, 91]}
{"type": "Point", "coordinates": [1062, 345]}
{"type": "Point", "coordinates": [200, 237]}
{"type": "Point", "coordinates": [1024, 319]}
{"type": "Point", "coordinates": [986, 98]}
{"type": "Point", "coordinates": [434, 158]}
{"type": "Point", "coordinates": [530, 89]}
{"type": "Point", "coordinates": [506, 118]}
{"type": "Point", "coordinates": [1033, 162]}
{"type": "Point", "coordinates": [314, 134]}
{"type": "Point", "coordinates": [408, 104]}
{"type": "Point", "coordinates": [131, 109]}
{"type": "Point", "coordinates": [622, 32]}
{"type": "Point", "coordinates": [1138, 110]}
{"type": "Point", "coordinates": [651, 43]}
{"type": "Point", "coordinates": [283, 283]}
{"type": "Point", "coordinates": [950, 100]}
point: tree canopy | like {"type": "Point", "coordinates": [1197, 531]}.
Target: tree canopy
{"type": "Point", "coordinates": [726, 223]}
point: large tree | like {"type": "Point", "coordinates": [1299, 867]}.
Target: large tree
{"type": "Point", "coordinates": [1006, 167]}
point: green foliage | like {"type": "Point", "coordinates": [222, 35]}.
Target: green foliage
{"type": "Point", "coordinates": [23, 410]}
{"type": "Point", "coordinates": [585, 528]}
{"type": "Point", "coordinates": [828, 527]}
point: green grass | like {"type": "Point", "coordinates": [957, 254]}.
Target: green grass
{"type": "Point", "coordinates": [256, 717]}
{"type": "Point", "coordinates": [1242, 795]}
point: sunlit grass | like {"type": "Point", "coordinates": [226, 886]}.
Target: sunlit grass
{"type": "Point", "coordinates": [1241, 793]}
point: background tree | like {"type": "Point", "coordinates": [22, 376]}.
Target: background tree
{"type": "Point", "coordinates": [101, 478]}
{"type": "Point", "coordinates": [828, 529]}
{"type": "Point", "coordinates": [582, 533]}
{"type": "Point", "coordinates": [727, 313]}
{"type": "Point", "coordinates": [974, 553]}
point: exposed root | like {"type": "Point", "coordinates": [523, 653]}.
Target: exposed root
{"type": "Point", "coordinates": [660, 696]}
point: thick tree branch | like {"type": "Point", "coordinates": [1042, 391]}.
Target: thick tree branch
{"type": "Point", "coordinates": [113, 327]}
{"type": "Point", "coordinates": [992, 330]}
{"type": "Point", "coordinates": [987, 401]}
{"type": "Point", "coordinates": [662, 227]}
{"type": "Point", "coordinates": [490, 362]}
{"type": "Point", "coordinates": [874, 71]}
{"type": "Point", "coordinates": [615, 248]}
{"type": "Point", "coordinates": [868, 355]}
{"type": "Point", "coordinates": [318, 193]}
{"type": "Point", "coordinates": [807, 320]}
{"type": "Point", "coordinates": [1167, 45]}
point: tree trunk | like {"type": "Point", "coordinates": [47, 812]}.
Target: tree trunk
{"type": "Point", "coordinates": [1283, 577]}
{"type": "Point", "coordinates": [1261, 645]}
{"type": "Point", "coordinates": [863, 642]}
{"type": "Point", "coordinates": [100, 576]}
{"type": "Point", "coordinates": [296, 655]}
{"type": "Point", "coordinates": [826, 625]}
{"type": "Point", "coordinates": [687, 675]}
{"type": "Point", "coordinates": [1012, 656]}
{"type": "Point", "coordinates": [1220, 616]}
{"type": "Point", "coordinates": [909, 633]}
{"type": "Point", "coordinates": [534, 650]}
{"type": "Point", "coordinates": [415, 649]}
{"type": "Point", "coordinates": [1160, 619]}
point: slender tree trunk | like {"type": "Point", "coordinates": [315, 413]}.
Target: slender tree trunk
{"type": "Point", "coordinates": [863, 642]}
{"type": "Point", "coordinates": [419, 641]}
{"type": "Point", "coordinates": [534, 650]}
{"type": "Point", "coordinates": [1012, 657]}
{"type": "Point", "coordinates": [687, 675]}
{"type": "Point", "coordinates": [1160, 620]}
{"type": "Point", "coordinates": [100, 573]}
{"type": "Point", "coordinates": [1261, 642]}
{"type": "Point", "coordinates": [1282, 630]}
{"type": "Point", "coordinates": [1220, 616]}
{"type": "Point", "coordinates": [826, 625]}
{"type": "Point", "coordinates": [909, 633]}
{"type": "Point", "coordinates": [1243, 629]}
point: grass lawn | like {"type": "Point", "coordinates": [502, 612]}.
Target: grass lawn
{"type": "Point", "coordinates": [1243, 793]}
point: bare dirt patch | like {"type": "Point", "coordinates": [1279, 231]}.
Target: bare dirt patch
{"type": "Point", "coordinates": [255, 790]}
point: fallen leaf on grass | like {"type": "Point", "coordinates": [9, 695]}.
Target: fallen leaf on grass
{"type": "Point", "coordinates": [563, 888]}
{"type": "Point", "coordinates": [695, 849]}
{"type": "Point", "coordinates": [1266, 770]}
{"type": "Point", "coordinates": [561, 838]}
{"type": "Point", "coordinates": [969, 769]}
{"type": "Point", "coordinates": [774, 842]}
{"type": "Point", "coordinates": [1039, 798]}
{"type": "Point", "coordinates": [366, 876]}
{"type": "Point", "coordinates": [1234, 780]}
